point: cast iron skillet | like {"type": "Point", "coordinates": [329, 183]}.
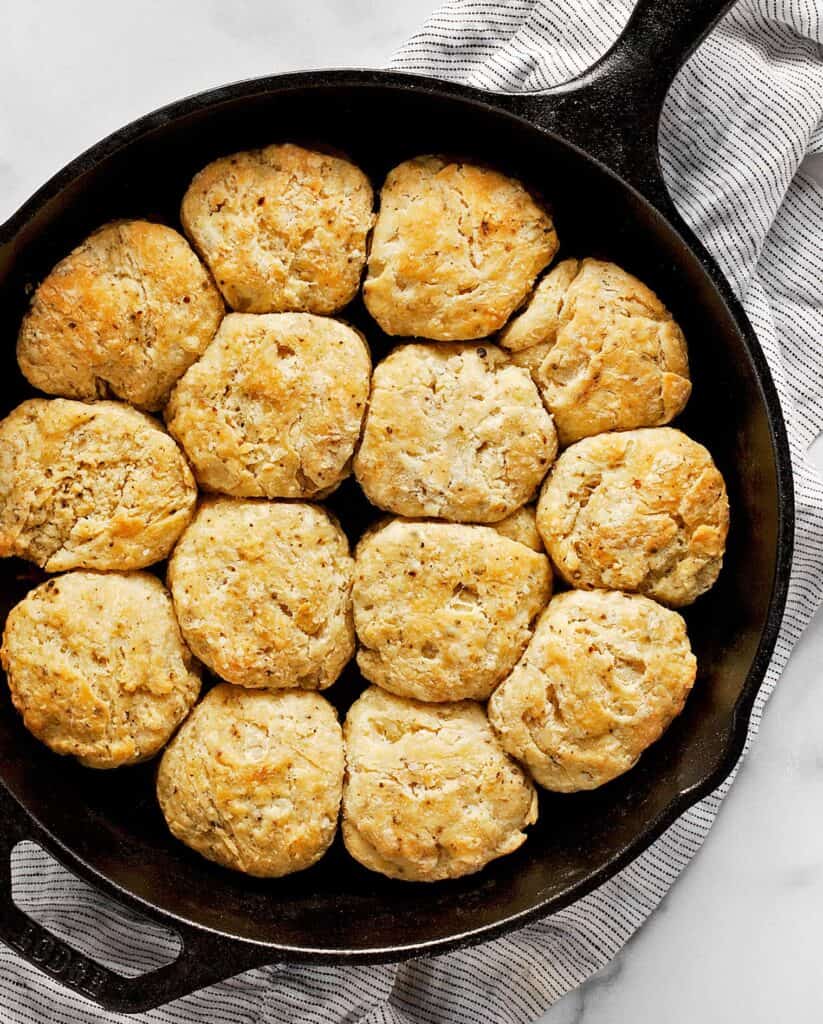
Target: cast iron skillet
{"type": "Point", "coordinates": [591, 146]}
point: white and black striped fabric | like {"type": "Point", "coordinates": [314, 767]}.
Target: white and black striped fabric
{"type": "Point", "coordinates": [742, 150]}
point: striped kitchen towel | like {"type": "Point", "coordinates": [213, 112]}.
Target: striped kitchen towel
{"type": "Point", "coordinates": [742, 152]}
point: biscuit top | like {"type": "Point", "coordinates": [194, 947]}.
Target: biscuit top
{"type": "Point", "coordinates": [262, 590]}
{"type": "Point", "coordinates": [283, 229]}
{"type": "Point", "coordinates": [97, 486]}
{"type": "Point", "coordinates": [430, 793]}
{"type": "Point", "coordinates": [273, 409]}
{"type": "Point", "coordinates": [453, 431]}
{"type": "Point", "coordinates": [522, 526]}
{"type": "Point", "coordinates": [97, 667]}
{"type": "Point", "coordinates": [444, 610]}
{"type": "Point", "coordinates": [124, 315]}
{"type": "Point", "coordinates": [603, 349]}
{"type": "Point", "coordinates": [639, 510]}
{"type": "Point", "coordinates": [601, 679]}
{"type": "Point", "coordinates": [455, 250]}
{"type": "Point", "coordinates": [253, 779]}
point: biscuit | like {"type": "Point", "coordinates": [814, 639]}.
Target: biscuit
{"type": "Point", "coordinates": [253, 780]}
{"type": "Point", "coordinates": [283, 229]}
{"type": "Point", "coordinates": [429, 792]}
{"type": "Point", "coordinates": [124, 315]}
{"type": "Point", "coordinates": [98, 486]}
{"type": "Point", "coordinates": [273, 409]}
{"type": "Point", "coordinates": [443, 611]}
{"type": "Point", "coordinates": [262, 591]}
{"type": "Point", "coordinates": [453, 431]}
{"type": "Point", "coordinates": [602, 678]}
{"type": "Point", "coordinates": [97, 667]}
{"type": "Point", "coordinates": [455, 250]}
{"type": "Point", "coordinates": [522, 526]}
{"type": "Point", "coordinates": [604, 351]}
{"type": "Point", "coordinates": [640, 510]}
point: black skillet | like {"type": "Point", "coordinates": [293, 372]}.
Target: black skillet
{"type": "Point", "coordinates": [591, 147]}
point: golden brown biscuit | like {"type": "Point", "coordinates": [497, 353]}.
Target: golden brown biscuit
{"type": "Point", "coordinates": [453, 431]}
{"type": "Point", "coordinates": [283, 229]}
{"type": "Point", "coordinates": [429, 792]}
{"type": "Point", "coordinates": [97, 667]}
{"type": "Point", "coordinates": [444, 610]}
{"type": "Point", "coordinates": [125, 314]}
{"type": "Point", "coordinates": [522, 526]}
{"type": "Point", "coordinates": [602, 678]}
{"type": "Point", "coordinates": [640, 510]}
{"type": "Point", "coordinates": [273, 409]}
{"type": "Point", "coordinates": [253, 780]}
{"type": "Point", "coordinates": [455, 251]}
{"type": "Point", "coordinates": [603, 349]}
{"type": "Point", "coordinates": [262, 591]}
{"type": "Point", "coordinates": [98, 486]}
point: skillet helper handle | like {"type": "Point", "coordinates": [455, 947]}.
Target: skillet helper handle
{"type": "Point", "coordinates": [204, 958]}
{"type": "Point", "coordinates": [612, 111]}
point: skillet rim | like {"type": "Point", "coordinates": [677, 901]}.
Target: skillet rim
{"type": "Point", "coordinates": [498, 104]}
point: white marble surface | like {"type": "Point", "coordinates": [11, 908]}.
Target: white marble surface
{"type": "Point", "coordinates": [738, 938]}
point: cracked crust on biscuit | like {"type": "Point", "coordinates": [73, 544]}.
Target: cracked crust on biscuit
{"type": "Point", "coordinates": [455, 250]}
{"type": "Point", "coordinates": [429, 792]}
{"type": "Point", "coordinates": [444, 610]}
{"type": "Point", "coordinates": [639, 510]}
{"type": "Point", "coordinates": [274, 407]}
{"type": "Point", "coordinates": [97, 667]}
{"type": "Point", "coordinates": [93, 486]}
{"type": "Point", "coordinates": [453, 431]}
{"type": "Point", "coordinates": [253, 780]}
{"type": "Point", "coordinates": [262, 590]}
{"type": "Point", "coordinates": [283, 229]}
{"type": "Point", "coordinates": [602, 678]}
{"type": "Point", "coordinates": [603, 350]}
{"type": "Point", "coordinates": [124, 315]}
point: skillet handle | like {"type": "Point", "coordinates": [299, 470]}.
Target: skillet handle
{"type": "Point", "coordinates": [204, 958]}
{"type": "Point", "coordinates": [612, 111]}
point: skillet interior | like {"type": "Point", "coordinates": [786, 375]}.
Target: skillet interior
{"type": "Point", "coordinates": [108, 824]}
